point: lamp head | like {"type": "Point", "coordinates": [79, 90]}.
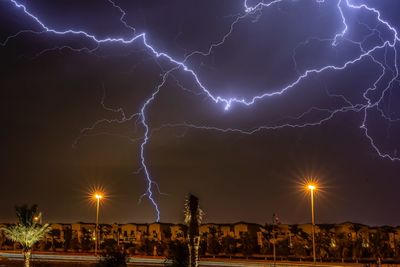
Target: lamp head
{"type": "Point", "coordinates": [311, 187]}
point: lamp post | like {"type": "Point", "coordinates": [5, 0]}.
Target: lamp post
{"type": "Point", "coordinates": [275, 222]}
{"type": "Point", "coordinates": [98, 197]}
{"type": "Point", "coordinates": [312, 187]}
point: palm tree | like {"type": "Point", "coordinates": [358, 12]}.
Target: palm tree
{"type": "Point", "coordinates": [26, 214]}
{"type": "Point", "coordinates": [27, 236]}
{"type": "Point", "coordinates": [27, 231]}
{"type": "Point", "coordinates": [193, 218]}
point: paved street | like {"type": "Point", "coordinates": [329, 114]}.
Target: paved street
{"type": "Point", "coordinates": [156, 261]}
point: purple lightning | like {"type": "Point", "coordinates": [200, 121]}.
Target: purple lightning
{"type": "Point", "coordinates": [372, 102]}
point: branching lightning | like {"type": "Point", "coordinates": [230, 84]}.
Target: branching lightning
{"type": "Point", "coordinates": [373, 96]}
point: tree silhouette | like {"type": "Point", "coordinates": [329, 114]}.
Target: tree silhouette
{"type": "Point", "coordinates": [27, 232]}
{"type": "Point", "coordinates": [193, 218]}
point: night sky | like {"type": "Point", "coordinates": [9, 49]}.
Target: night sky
{"type": "Point", "coordinates": [64, 99]}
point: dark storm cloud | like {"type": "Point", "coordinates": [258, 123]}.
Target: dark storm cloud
{"type": "Point", "coordinates": [47, 99]}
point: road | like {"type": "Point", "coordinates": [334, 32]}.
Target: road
{"type": "Point", "coordinates": [158, 261]}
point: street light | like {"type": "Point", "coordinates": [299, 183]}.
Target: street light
{"type": "Point", "coordinates": [38, 218]}
{"type": "Point", "coordinates": [312, 187]}
{"type": "Point", "coordinates": [98, 197]}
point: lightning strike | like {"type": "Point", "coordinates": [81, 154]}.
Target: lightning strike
{"type": "Point", "coordinates": [342, 6]}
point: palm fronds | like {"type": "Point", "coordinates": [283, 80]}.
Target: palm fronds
{"type": "Point", "coordinates": [192, 210]}
{"type": "Point", "coordinates": [26, 235]}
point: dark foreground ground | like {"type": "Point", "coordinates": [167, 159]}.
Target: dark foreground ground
{"type": "Point", "coordinates": [89, 261]}
{"type": "Point", "coordinates": [6, 263]}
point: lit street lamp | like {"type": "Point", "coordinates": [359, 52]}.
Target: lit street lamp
{"type": "Point", "coordinates": [312, 187]}
{"type": "Point", "coordinates": [98, 197]}
{"type": "Point", "coordinates": [38, 218]}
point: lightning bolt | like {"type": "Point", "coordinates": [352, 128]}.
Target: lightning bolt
{"type": "Point", "coordinates": [374, 96]}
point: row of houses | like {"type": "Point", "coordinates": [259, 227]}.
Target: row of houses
{"type": "Point", "coordinates": [134, 233]}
